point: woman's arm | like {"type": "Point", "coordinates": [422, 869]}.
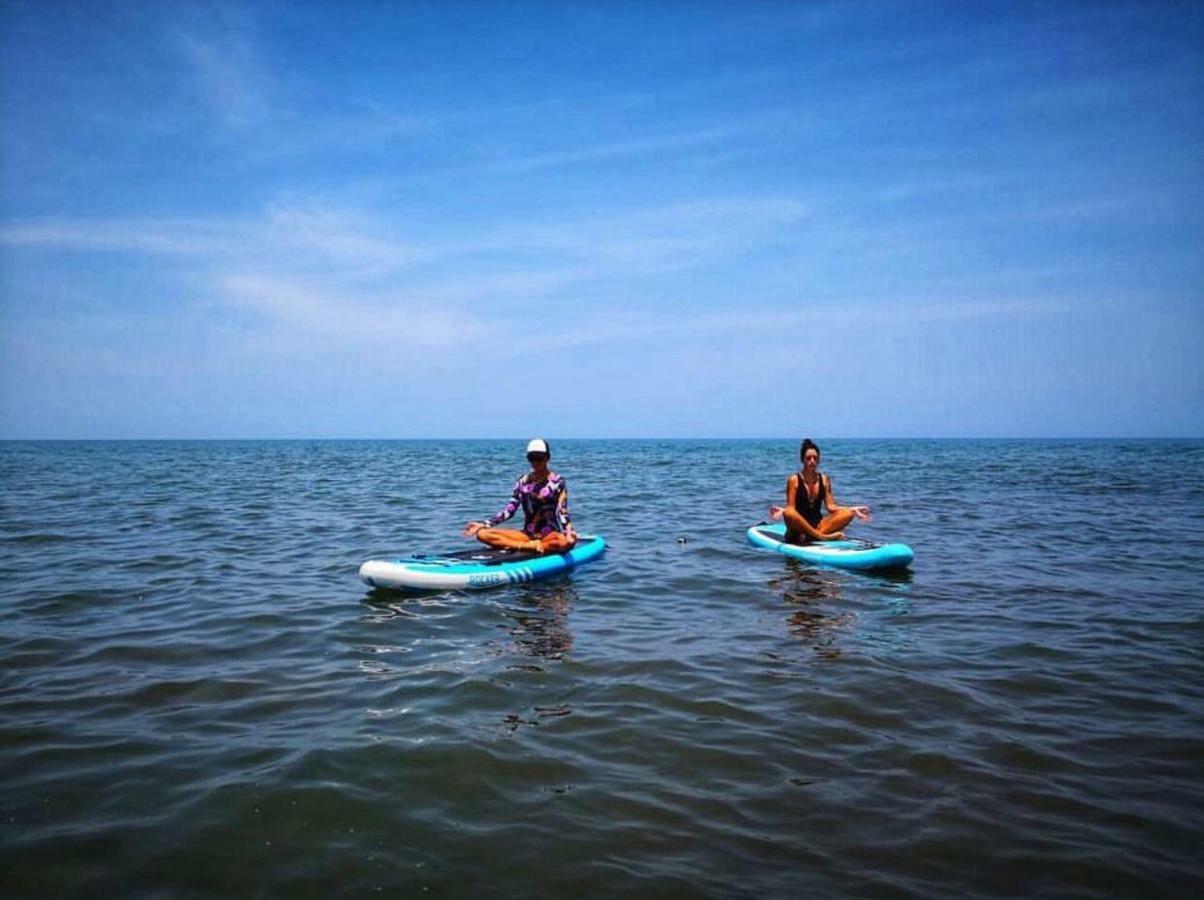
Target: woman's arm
{"type": "Point", "coordinates": [563, 519]}
{"type": "Point", "coordinates": [516, 500]}
{"type": "Point", "coordinates": [861, 512]}
{"type": "Point", "coordinates": [830, 500]}
{"type": "Point", "coordinates": [501, 515]}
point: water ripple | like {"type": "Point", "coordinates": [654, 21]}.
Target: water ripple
{"type": "Point", "coordinates": [199, 698]}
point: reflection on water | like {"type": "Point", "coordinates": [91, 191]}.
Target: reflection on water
{"type": "Point", "coordinates": [815, 596]}
{"type": "Point", "coordinates": [537, 614]}
{"type": "Point", "coordinates": [383, 605]}
{"type": "Point", "coordinates": [512, 721]}
{"type": "Point", "coordinates": [812, 594]}
{"type": "Point", "coordinates": [450, 638]}
{"type": "Point", "coordinates": [801, 582]}
{"type": "Point", "coordinates": [539, 620]}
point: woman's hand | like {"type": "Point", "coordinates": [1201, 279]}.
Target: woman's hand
{"type": "Point", "coordinates": [777, 512]}
{"type": "Point", "coordinates": [472, 528]}
{"type": "Point", "coordinates": [862, 513]}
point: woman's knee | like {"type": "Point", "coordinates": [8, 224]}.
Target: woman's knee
{"type": "Point", "coordinates": [555, 543]}
{"type": "Point", "coordinates": [838, 521]}
{"type": "Point", "coordinates": [489, 535]}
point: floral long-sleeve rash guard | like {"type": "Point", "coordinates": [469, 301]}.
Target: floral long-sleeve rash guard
{"type": "Point", "coordinates": [545, 506]}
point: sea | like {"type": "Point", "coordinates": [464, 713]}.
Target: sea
{"type": "Point", "coordinates": [200, 698]}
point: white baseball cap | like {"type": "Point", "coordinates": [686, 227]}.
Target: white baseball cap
{"type": "Point", "coordinates": [539, 445]}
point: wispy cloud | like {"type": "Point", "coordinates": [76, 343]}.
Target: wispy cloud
{"type": "Point", "coordinates": [752, 327]}
{"type": "Point", "coordinates": [272, 116]}
{"type": "Point", "coordinates": [299, 237]}
{"type": "Point", "coordinates": [630, 149]}
{"type": "Point", "coordinates": [372, 322]}
{"type": "Point", "coordinates": [947, 184]}
{"type": "Point", "coordinates": [664, 237]}
{"type": "Point", "coordinates": [229, 78]}
{"type": "Point", "coordinates": [305, 273]}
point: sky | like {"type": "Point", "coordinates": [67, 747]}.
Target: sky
{"type": "Point", "coordinates": [620, 219]}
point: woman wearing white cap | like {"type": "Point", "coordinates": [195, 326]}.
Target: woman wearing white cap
{"type": "Point", "coordinates": [544, 499]}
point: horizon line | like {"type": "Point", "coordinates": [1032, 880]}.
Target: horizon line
{"type": "Point", "coordinates": [1030, 437]}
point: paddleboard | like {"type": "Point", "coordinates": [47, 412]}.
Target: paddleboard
{"type": "Point", "coordinates": [476, 569]}
{"type": "Point", "coordinates": [851, 554]}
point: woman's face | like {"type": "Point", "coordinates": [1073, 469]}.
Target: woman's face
{"type": "Point", "coordinates": [811, 460]}
{"type": "Point", "coordinates": [538, 461]}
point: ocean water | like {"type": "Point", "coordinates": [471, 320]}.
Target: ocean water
{"type": "Point", "coordinates": [198, 698]}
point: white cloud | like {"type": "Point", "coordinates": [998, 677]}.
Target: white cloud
{"type": "Point", "coordinates": [657, 146]}
{"type": "Point", "coordinates": [386, 322]}
{"type": "Point", "coordinates": [346, 244]}
{"type": "Point", "coordinates": [292, 236]}
{"type": "Point", "coordinates": [307, 278]}
{"type": "Point", "coordinates": [947, 184]}
{"type": "Point", "coordinates": [230, 81]}
{"type": "Point", "coordinates": [303, 278]}
{"type": "Point", "coordinates": [768, 325]}
{"type": "Point", "coordinates": [270, 113]}
{"type": "Point", "coordinates": [660, 238]}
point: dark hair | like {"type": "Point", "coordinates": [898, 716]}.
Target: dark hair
{"type": "Point", "coordinates": [806, 445]}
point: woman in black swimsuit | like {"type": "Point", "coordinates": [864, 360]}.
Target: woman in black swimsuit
{"type": "Point", "coordinates": [808, 492]}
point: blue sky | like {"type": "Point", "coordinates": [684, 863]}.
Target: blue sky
{"type": "Point", "coordinates": [604, 219]}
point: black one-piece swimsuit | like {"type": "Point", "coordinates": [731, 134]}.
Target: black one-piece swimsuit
{"type": "Point", "coordinates": [811, 510]}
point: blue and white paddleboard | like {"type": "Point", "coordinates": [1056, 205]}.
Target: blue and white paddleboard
{"type": "Point", "coordinates": [861, 555]}
{"type": "Point", "coordinates": [477, 569]}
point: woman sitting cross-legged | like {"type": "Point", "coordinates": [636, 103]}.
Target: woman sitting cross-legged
{"type": "Point", "coordinates": [544, 499]}
{"type": "Point", "coordinates": [808, 492]}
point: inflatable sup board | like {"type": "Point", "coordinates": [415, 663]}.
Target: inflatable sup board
{"type": "Point", "coordinates": [476, 569]}
{"type": "Point", "coordinates": [860, 555]}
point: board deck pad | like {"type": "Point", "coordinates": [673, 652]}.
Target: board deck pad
{"type": "Point", "coordinates": [485, 556]}
{"type": "Point", "coordinates": [850, 544]}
